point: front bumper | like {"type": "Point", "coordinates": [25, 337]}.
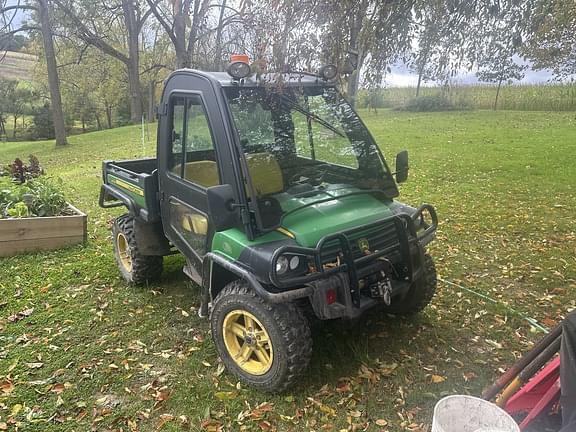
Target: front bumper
{"type": "Point", "coordinates": [403, 252]}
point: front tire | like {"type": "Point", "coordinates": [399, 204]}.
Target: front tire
{"type": "Point", "coordinates": [421, 292]}
{"type": "Point", "coordinates": [266, 346]}
{"type": "Point", "coordinates": [135, 268]}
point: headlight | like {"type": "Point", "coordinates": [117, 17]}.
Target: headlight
{"type": "Point", "coordinates": [282, 265]}
{"type": "Point", "coordinates": [294, 262]}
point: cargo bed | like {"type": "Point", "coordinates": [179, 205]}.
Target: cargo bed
{"type": "Point", "coordinates": [133, 183]}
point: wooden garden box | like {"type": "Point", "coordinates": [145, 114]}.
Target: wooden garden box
{"type": "Point", "coordinates": [42, 233]}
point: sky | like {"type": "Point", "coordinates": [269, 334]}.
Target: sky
{"type": "Point", "coordinates": [402, 77]}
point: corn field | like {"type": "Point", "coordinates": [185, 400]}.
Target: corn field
{"type": "Point", "coordinates": [522, 97]}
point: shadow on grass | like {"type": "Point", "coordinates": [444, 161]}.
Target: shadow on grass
{"type": "Point", "coordinates": [339, 347]}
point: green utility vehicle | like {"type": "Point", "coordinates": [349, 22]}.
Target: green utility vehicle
{"type": "Point", "coordinates": [280, 200]}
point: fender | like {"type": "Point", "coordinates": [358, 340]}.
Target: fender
{"type": "Point", "coordinates": [270, 297]}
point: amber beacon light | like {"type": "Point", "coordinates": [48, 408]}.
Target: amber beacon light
{"type": "Point", "coordinates": [239, 66]}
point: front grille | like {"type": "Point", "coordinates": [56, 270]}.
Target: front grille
{"type": "Point", "coordinates": [379, 237]}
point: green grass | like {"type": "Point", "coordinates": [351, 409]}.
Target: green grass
{"type": "Point", "coordinates": [503, 186]}
{"type": "Point", "coordinates": [526, 97]}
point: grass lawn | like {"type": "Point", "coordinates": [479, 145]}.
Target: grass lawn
{"type": "Point", "coordinates": [95, 353]}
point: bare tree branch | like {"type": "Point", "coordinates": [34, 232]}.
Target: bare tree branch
{"type": "Point", "coordinates": [90, 37]}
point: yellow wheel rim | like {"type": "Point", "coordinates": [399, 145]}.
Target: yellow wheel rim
{"type": "Point", "coordinates": [124, 252]}
{"type": "Point", "coordinates": [248, 342]}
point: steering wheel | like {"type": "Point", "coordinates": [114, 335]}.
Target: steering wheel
{"type": "Point", "coordinates": [312, 175]}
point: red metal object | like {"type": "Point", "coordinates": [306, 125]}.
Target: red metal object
{"type": "Point", "coordinates": [538, 394]}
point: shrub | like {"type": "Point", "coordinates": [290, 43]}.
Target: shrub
{"type": "Point", "coordinates": [429, 103]}
{"type": "Point", "coordinates": [43, 124]}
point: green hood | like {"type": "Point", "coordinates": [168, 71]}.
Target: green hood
{"type": "Point", "coordinates": [309, 224]}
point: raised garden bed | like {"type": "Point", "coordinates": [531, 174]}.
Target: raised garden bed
{"type": "Point", "coordinates": [34, 214]}
{"type": "Point", "coordinates": [31, 234]}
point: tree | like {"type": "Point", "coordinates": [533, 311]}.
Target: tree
{"type": "Point", "coordinates": [53, 80]}
{"type": "Point", "coordinates": [182, 20]}
{"type": "Point", "coordinates": [18, 104]}
{"type": "Point", "coordinates": [498, 69]}
{"type": "Point", "coordinates": [380, 33]}
{"type": "Point", "coordinates": [551, 42]}
{"type": "Point", "coordinates": [93, 23]}
{"type": "Point", "coordinates": [7, 90]}
{"type": "Point", "coordinates": [43, 10]}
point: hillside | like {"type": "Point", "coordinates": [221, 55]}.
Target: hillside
{"type": "Point", "coordinates": [16, 65]}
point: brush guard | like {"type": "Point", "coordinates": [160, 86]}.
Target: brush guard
{"type": "Point", "coordinates": [408, 238]}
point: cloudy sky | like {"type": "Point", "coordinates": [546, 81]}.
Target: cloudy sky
{"type": "Point", "coordinates": [402, 77]}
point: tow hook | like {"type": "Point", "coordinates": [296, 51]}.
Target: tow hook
{"type": "Point", "coordinates": [382, 289]}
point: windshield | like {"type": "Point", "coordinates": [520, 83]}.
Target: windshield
{"type": "Point", "coordinates": [303, 146]}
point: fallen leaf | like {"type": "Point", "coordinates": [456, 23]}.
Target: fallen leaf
{"type": "Point", "coordinates": [6, 386]}
{"type": "Point", "coordinates": [57, 388]}
{"type": "Point", "coordinates": [36, 365]}
{"type": "Point", "coordinates": [381, 422]}
{"type": "Point", "coordinates": [15, 410]}
{"type": "Point", "coordinates": [438, 379]}
{"type": "Point", "coordinates": [225, 395]}
{"type": "Point", "coordinates": [20, 315]}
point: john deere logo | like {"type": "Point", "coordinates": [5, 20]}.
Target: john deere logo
{"type": "Point", "coordinates": [363, 245]}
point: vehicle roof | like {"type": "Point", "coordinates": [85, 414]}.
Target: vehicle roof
{"type": "Point", "coordinates": [287, 79]}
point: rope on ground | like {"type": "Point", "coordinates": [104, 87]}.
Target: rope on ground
{"type": "Point", "coordinates": [532, 321]}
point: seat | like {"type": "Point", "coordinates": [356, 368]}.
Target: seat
{"type": "Point", "coordinates": [203, 173]}
{"type": "Point", "coordinates": [265, 173]}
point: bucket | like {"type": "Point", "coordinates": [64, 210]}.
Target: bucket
{"type": "Point", "coordinates": [460, 413]}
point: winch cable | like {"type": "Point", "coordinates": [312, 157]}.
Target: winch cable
{"type": "Point", "coordinates": [532, 321]}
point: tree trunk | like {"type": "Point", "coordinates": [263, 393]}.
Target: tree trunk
{"type": "Point", "coordinates": [218, 43]}
{"type": "Point", "coordinates": [98, 123]}
{"type": "Point", "coordinates": [15, 125]}
{"type": "Point", "coordinates": [420, 73]}
{"type": "Point", "coordinates": [182, 59]}
{"type": "Point", "coordinates": [53, 80]}
{"type": "Point", "coordinates": [151, 100]}
{"type": "Point", "coordinates": [133, 64]}
{"type": "Point", "coordinates": [354, 80]}
{"type": "Point", "coordinates": [109, 116]}
{"type": "Point", "coordinates": [497, 94]}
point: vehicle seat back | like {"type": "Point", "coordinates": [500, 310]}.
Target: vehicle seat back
{"type": "Point", "coordinates": [265, 173]}
{"type": "Point", "coordinates": [203, 173]}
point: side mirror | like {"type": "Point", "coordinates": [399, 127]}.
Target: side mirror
{"type": "Point", "coordinates": [402, 166]}
{"type": "Point", "coordinates": [221, 208]}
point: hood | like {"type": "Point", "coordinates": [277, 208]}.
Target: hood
{"type": "Point", "coordinates": [309, 224]}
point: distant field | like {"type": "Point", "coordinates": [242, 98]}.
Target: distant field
{"type": "Point", "coordinates": [96, 354]}
{"type": "Point", "coordinates": [537, 97]}
{"type": "Point", "coordinates": [17, 66]}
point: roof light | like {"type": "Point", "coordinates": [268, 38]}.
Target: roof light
{"type": "Point", "coordinates": [239, 67]}
{"type": "Point", "coordinates": [328, 72]}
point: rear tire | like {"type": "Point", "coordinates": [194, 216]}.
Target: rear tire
{"type": "Point", "coordinates": [276, 349]}
{"type": "Point", "coordinates": [135, 268]}
{"type": "Point", "coordinates": [421, 292]}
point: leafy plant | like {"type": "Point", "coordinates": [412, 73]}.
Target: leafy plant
{"type": "Point", "coordinates": [19, 210]}
{"type": "Point", "coordinates": [46, 197]}
{"type": "Point", "coordinates": [40, 196]}
{"type": "Point", "coordinates": [21, 172]}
